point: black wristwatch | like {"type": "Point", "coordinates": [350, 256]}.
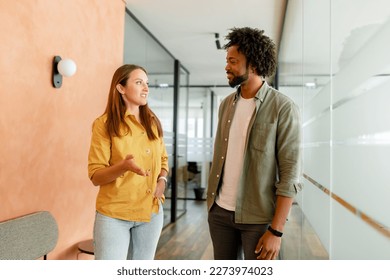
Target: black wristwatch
{"type": "Point", "coordinates": [275, 232]}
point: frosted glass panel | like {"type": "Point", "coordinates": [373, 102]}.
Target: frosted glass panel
{"type": "Point", "coordinates": [360, 130]}
{"type": "Point", "coordinates": [344, 78]}
{"type": "Point", "coordinates": [317, 165]}
{"type": "Point", "coordinates": [317, 105]}
{"type": "Point", "coordinates": [370, 111]}
{"type": "Point", "coordinates": [317, 132]}
{"type": "Point", "coordinates": [356, 240]}
{"type": "Point", "coordinates": [361, 177]}
{"type": "Point", "coordinates": [317, 117]}
{"type": "Point", "coordinates": [316, 199]}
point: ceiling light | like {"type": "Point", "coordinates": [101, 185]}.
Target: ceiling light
{"type": "Point", "coordinates": [310, 85]}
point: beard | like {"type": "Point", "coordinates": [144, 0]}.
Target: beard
{"type": "Point", "coordinates": [237, 80]}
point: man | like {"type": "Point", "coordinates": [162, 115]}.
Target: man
{"type": "Point", "coordinates": [255, 171]}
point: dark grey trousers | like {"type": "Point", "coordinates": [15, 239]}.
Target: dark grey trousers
{"type": "Point", "coordinates": [233, 241]}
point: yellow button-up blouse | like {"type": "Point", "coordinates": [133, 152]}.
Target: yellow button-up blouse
{"type": "Point", "coordinates": [131, 196]}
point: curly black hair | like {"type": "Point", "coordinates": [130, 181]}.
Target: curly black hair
{"type": "Point", "coordinates": [259, 49]}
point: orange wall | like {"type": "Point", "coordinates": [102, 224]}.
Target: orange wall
{"type": "Point", "coordinates": [45, 132]}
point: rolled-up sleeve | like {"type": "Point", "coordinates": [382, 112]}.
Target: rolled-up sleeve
{"type": "Point", "coordinates": [164, 156]}
{"type": "Point", "coordinates": [289, 151]}
{"type": "Point", "coordinates": [99, 152]}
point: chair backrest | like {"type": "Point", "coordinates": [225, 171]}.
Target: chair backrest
{"type": "Point", "coordinates": [28, 237]}
{"type": "Point", "coordinates": [192, 166]}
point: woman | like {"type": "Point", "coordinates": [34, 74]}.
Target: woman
{"type": "Point", "coordinates": [128, 160]}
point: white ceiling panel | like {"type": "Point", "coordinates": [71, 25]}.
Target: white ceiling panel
{"type": "Point", "coordinates": [187, 29]}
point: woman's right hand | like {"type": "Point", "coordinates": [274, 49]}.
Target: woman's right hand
{"type": "Point", "coordinates": [130, 165]}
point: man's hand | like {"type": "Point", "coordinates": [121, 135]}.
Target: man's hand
{"type": "Point", "coordinates": [268, 246]}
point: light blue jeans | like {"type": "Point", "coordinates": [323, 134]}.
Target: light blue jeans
{"type": "Point", "coordinates": [116, 239]}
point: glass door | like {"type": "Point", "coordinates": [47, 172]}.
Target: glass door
{"type": "Point", "coordinates": [168, 98]}
{"type": "Point", "coordinates": [181, 152]}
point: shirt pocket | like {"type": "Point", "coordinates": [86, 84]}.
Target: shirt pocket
{"type": "Point", "coordinates": [263, 137]}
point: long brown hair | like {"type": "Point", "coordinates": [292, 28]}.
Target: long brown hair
{"type": "Point", "coordinates": [116, 107]}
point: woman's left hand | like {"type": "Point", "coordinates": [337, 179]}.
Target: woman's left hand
{"type": "Point", "coordinates": [160, 188]}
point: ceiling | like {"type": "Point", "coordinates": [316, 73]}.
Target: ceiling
{"type": "Point", "coordinates": [187, 29]}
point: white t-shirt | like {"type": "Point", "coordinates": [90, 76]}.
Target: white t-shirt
{"type": "Point", "coordinates": [235, 153]}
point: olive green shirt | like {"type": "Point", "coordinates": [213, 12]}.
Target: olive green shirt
{"type": "Point", "coordinates": [272, 156]}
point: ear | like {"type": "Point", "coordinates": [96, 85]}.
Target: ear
{"type": "Point", "coordinates": [120, 88]}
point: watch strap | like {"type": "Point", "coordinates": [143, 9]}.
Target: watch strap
{"type": "Point", "coordinates": [275, 232]}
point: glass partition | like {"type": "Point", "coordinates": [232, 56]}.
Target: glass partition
{"type": "Point", "coordinates": [181, 163]}
{"type": "Point", "coordinates": [336, 66]}
{"type": "Point", "coordinates": [142, 48]}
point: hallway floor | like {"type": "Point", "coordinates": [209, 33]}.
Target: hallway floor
{"type": "Point", "coordinates": [189, 238]}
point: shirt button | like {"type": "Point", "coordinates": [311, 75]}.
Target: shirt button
{"type": "Point", "coordinates": [148, 191]}
{"type": "Point", "coordinates": [212, 194]}
{"type": "Point", "coordinates": [222, 157]}
{"type": "Point", "coordinates": [228, 121]}
{"type": "Point", "coordinates": [217, 175]}
{"type": "Point", "coordinates": [147, 151]}
{"type": "Point", "coordinates": [225, 139]}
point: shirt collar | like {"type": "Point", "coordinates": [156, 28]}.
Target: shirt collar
{"type": "Point", "coordinates": [260, 95]}
{"type": "Point", "coordinates": [262, 92]}
{"type": "Point", "coordinates": [128, 113]}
